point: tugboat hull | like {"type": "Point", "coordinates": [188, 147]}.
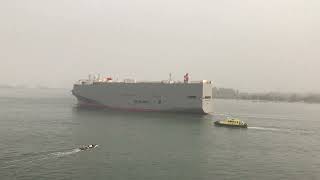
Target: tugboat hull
{"type": "Point", "coordinates": [217, 123]}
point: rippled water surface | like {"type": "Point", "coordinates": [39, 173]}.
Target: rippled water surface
{"type": "Point", "coordinates": [41, 130]}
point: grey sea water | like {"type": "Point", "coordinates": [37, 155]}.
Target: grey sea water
{"type": "Point", "coordinates": [41, 129]}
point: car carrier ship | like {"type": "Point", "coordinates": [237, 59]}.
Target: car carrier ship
{"type": "Point", "coordinates": [163, 96]}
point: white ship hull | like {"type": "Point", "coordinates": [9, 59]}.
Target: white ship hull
{"type": "Point", "coordinates": [176, 97]}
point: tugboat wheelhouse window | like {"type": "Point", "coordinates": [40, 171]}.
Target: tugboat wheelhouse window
{"type": "Point", "coordinates": [192, 97]}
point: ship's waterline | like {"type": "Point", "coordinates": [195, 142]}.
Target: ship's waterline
{"type": "Point", "coordinates": [193, 97]}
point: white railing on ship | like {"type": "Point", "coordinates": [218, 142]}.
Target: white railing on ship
{"type": "Point", "coordinates": [87, 82]}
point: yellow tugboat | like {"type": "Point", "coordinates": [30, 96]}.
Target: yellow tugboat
{"type": "Point", "coordinates": [231, 123]}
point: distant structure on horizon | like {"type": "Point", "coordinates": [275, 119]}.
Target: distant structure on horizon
{"type": "Point", "coordinates": [128, 94]}
{"type": "Point", "coordinates": [229, 93]}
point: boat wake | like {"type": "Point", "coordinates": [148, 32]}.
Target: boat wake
{"type": "Point", "coordinates": [38, 158]}
{"type": "Point", "coordinates": [66, 153]}
{"type": "Point", "coordinates": [267, 129]}
{"type": "Point", "coordinates": [285, 130]}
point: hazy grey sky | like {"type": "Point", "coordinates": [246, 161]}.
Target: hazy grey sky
{"type": "Point", "coordinates": [254, 45]}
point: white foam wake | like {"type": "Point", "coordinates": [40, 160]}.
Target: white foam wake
{"type": "Point", "coordinates": [266, 129]}
{"type": "Point", "coordinates": [66, 153]}
{"type": "Point", "coordinates": [38, 158]}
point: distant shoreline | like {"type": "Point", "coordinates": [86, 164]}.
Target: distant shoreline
{"type": "Point", "coordinates": [266, 101]}
{"type": "Point", "coordinates": [26, 87]}
{"type": "Point", "coordinates": [229, 93]}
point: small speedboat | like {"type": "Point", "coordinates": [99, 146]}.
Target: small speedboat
{"type": "Point", "coordinates": [232, 122]}
{"type": "Point", "coordinates": [88, 147]}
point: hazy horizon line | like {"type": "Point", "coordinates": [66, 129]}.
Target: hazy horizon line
{"type": "Point", "coordinates": [23, 86]}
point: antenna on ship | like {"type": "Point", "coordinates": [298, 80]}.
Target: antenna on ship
{"type": "Point", "coordinates": [170, 77]}
{"type": "Point", "coordinates": [186, 78]}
